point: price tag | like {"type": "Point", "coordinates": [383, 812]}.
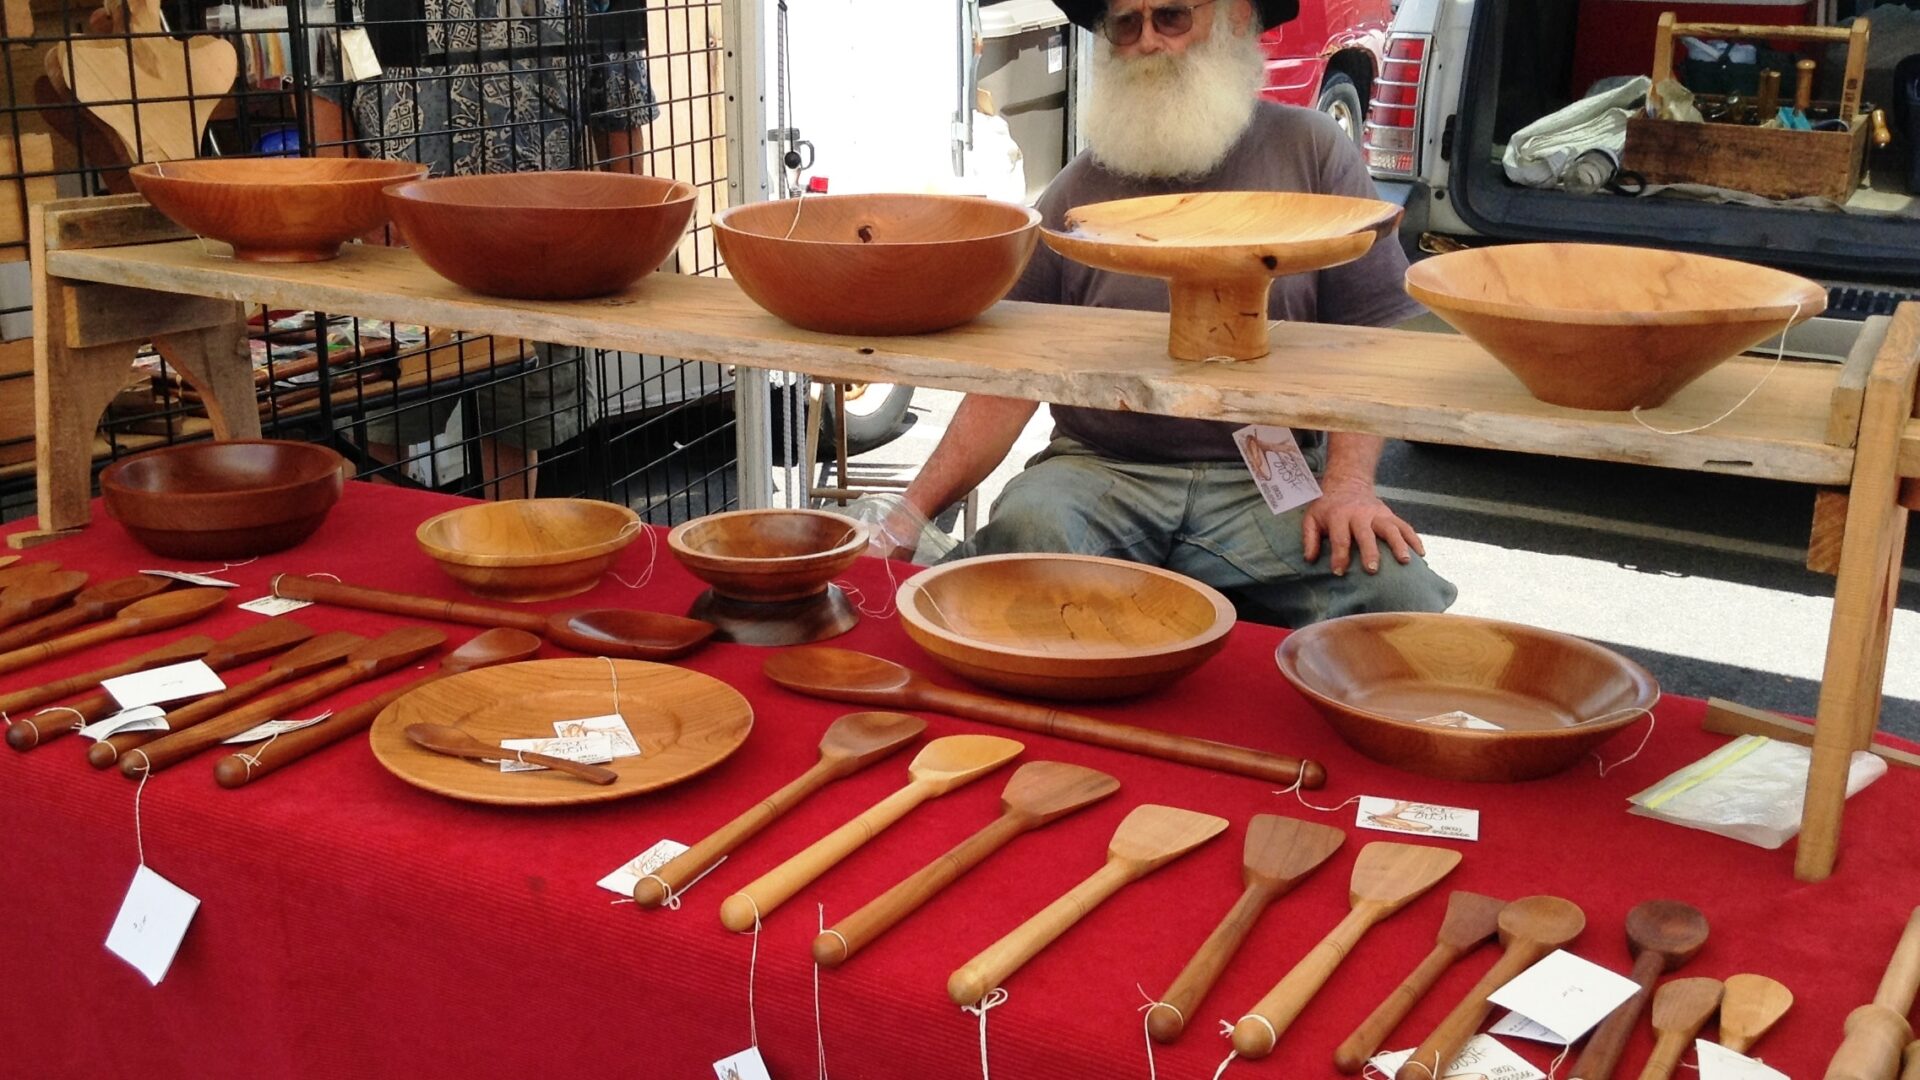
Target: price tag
{"type": "Point", "coordinates": [358, 61]}
{"type": "Point", "coordinates": [613, 726]}
{"type": "Point", "coordinates": [274, 605]}
{"type": "Point", "coordinates": [272, 728]}
{"type": "Point", "coordinates": [1056, 53]}
{"type": "Point", "coordinates": [144, 718]}
{"type": "Point", "coordinates": [1565, 994]}
{"type": "Point", "coordinates": [191, 579]}
{"type": "Point", "coordinates": [1455, 719]}
{"type": "Point", "coordinates": [1519, 1027]}
{"type": "Point", "coordinates": [1418, 819]}
{"type": "Point", "coordinates": [589, 750]}
{"type": "Point", "coordinates": [745, 1065]}
{"type": "Point", "coordinates": [1483, 1056]}
{"type": "Point", "coordinates": [152, 921]}
{"type": "Point", "coordinates": [622, 881]}
{"type": "Point", "coordinates": [1719, 1063]}
{"type": "Point", "coordinates": [164, 685]}
{"type": "Point", "coordinates": [1279, 469]}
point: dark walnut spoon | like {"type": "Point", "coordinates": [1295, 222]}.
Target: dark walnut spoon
{"type": "Point", "coordinates": [155, 613]}
{"type": "Point", "coordinates": [90, 605]}
{"type": "Point", "coordinates": [451, 741]}
{"type": "Point", "coordinates": [38, 595]}
{"type": "Point", "coordinates": [1471, 921]}
{"type": "Point", "coordinates": [1662, 935]}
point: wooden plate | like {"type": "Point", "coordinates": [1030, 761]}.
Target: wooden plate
{"type": "Point", "coordinates": [685, 723]}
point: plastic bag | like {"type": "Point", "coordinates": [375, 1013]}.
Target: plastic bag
{"type": "Point", "coordinates": [1751, 790]}
{"type": "Point", "coordinates": [899, 530]}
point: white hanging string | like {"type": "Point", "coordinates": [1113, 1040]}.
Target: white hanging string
{"type": "Point", "coordinates": [1294, 790]}
{"type": "Point", "coordinates": [31, 722]}
{"type": "Point", "coordinates": [1226, 1030]}
{"type": "Point", "coordinates": [1777, 358]}
{"type": "Point", "coordinates": [139, 839]}
{"type": "Point", "coordinates": [672, 901]}
{"type": "Point", "coordinates": [614, 673]}
{"type": "Point", "coordinates": [995, 998]}
{"type": "Point", "coordinates": [226, 566]}
{"type": "Point", "coordinates": [798, 204]}
{"type": "Point", "coordinates": [753, 967]}
{"type": "Point", "coordinates": [1606, 768]}
{"type": "Point", "coordinates": [653, 555]}
{"type": "Point", "coordinates": [1146, 1025]}
{"type": "Point", "coordinates": [819, 1036]}
{"type": "Point", "coordinates": [253, 760]}
{"type": "Point", "coordinates": [273, 586]}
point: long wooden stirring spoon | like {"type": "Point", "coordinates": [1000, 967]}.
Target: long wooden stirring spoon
{"type": "Point", "coordinates": [14, 573]}
{"type": "Point", "coordinates": [25, 733]}
{"type": "Point", "coordinates": [1750, 1007]}
{"type": "Point", "coordinates": [450, 740]}
{"type": "Point", "coordinates": [38, 595]}
{"type": "Point", "coordinates": [1680, 1009]}
{"type": "Point", "coordinates": [90, 605]}
{"type": "Point", "coordinates": [1471, 921]}
{"type": "Point", "coordinates": [1530, 928]}
{"type": "Point", "coordinates": [1877, 1032]}
{"type": "Point", "coordinates": [1148, 838]}
{"type": "Point", "coordinates": [1663, 936]}
{"type": "Point", "coordinates": [850, 744]}
{"type": "Point", "coordinates": [1038, 793]}
{"type": "Point", "coordinates": [155, 613]}
{"type": "Point", "coordinates": [941, 766]}
{"type": "Point", "coordinates": [1280, 852]}
{"type": "Point", "coordinates": [1386, 878]}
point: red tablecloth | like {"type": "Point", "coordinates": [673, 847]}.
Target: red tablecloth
{"type": "Point", "coordinates": [355, 926]}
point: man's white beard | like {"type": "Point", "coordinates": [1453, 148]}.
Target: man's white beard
{"type": "Point", "coordinates": [1173, 116]}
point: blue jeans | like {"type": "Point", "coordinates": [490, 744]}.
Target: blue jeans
{"type": "Point", "coordinates": [1205, 520]}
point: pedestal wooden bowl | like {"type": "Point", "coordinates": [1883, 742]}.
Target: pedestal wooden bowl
{"type": "Point", "coordinates": [771, 572]}
{"type": "Point", "coordinates": [1540, 700]}
{"type": "Point", "coordinates": [1596, 326]}
{"type": "Point", "coordinates": [523, 550]}
{"type": "Point", "coordinates": [876, 264]}
{"type": "Point", "coordinates": [1220, 251]}
{"type": "Point", "coordinates": [275, 209]}
{"type": "Point", "coordinates": [543, 236]}
{"type": "Point", "coordinates": [1070, 627]}
{"type": "Point", "coordinates": [224, 500]}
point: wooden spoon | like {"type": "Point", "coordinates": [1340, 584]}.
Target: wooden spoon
{"type": "Point", "coordinates": [846, 675]}
{"type": "Point", "coordinates": [941, 766]}
{"type": "Point", "coordinates": [16, 572]}
{"type": "Point", "coordinates": [38, 595]}
{"type": "Point", "coordinates": [162, 612]}
{"type": "Point", "coordinates": [25, 734]}
{"type": "Point", "coordinates": [390, 651]}
{"type": "Point", "coordinates": [1280, 852]}
{"type": "Point", "coordinates": [1911, 1069]}
{"type": "Point", "coordinates": [1038, 793]}
{"type": "Point", "coordinates": [1662, 935]}
{"type": "Point", "coordinates": [850, 744]}
{"type": "Point", "coordinates": [1680, 1009]}
{"type": "Point", "coordinates": [1471, 921]}
{"type": "Point", "coordinates": [1750, 1007]}
{"type": "Point", "coordinates": [485, 649]}
{"type": "Point", "coordinates": [616, 632]}
{"type": "Point", "coordinates": [1147, 839]}
{"type": "Point", "coordinates": [1877, 1032]}
{"type": "Point", "coordinates": [1386, 878]}
{"type": "Point", "coordinates": [451, 741]}
{"type": "Point", "coordinates": [90, 605]}
{"type": "Point", "coordinates": [1530, 928]}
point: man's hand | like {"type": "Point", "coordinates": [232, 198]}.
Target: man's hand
{"type": "Point", "coordinates": [1349, 515]}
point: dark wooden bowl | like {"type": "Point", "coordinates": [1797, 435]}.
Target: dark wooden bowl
{"type": "Point", "coordinates": [275, 209]}
{"type": "Point", "coordinates": [1375, 677]}
{"type": "Point", "coordinates": [768, 556]}
{"type": "Point", "coordinates": [876, 264]}
{"type": "Point", "coordinates": [543, 236]}
{"type": "Point", "coordinates": [224, 500]}
{"type": "Point", "coordinates": [1072, 627]}
{"type": "Point", "coordinates": [1595, 326]}
{"type": "Point", "coordinates": [523, 550]}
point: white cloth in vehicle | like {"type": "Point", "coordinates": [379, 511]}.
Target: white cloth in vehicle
{"type": "Point", "coordinates": [1539, 153]}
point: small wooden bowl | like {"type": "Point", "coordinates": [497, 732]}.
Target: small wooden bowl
{"type": "Point", "coordinates": [224, 500]}
{"type": "Point", "coordinates": [1596, 326]}
{"type": "Point", "coordinates": [523, 550]}
{"type": "Point", "coordinates": [768, 556]}
{"type": "Point", "coordinates": [1072, 627]}
{"type": "Point", "coordinates": [543, 236]}
{"type": "Point", "coordinates": [1375, 677]}
{"type": "Point", "coordinates": [876, 264]}
{"type": "Point", "coordinates": [275, 209]}
{"type": "Point", "coordinates": [1220, 251]}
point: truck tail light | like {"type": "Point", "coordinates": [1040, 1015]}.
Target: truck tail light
{"type": "Point", "coordinates": [1393, 116]}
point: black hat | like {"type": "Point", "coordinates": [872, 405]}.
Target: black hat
{"type": "Point", "coordinates": [1087, 13]}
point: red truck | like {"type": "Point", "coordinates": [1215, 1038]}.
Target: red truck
{"type": "Point", "coordinates": [1327, 58]}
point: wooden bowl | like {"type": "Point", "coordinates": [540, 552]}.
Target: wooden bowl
{"type": "Point", "coordinates": [768, 556]}
{"type": "Point", "coordinates": [224, 500]}
{"type": "Point", "coordinates": [1220, 251]}
{"type": "Point", "coordinates": [523, 550]}
{"type": "Point", "coordinates": [1375, 677]}
{"type": "Point", "coordinates": [1595, 326]}
{"type": "Point", "coordinates": [876, 264]}
{"type": "Point", "coordinates": [275, 209]}
{"type": "Point", "coordinates": [543, 236]}
{"type": "Point", "coordinates": [1072, 627]}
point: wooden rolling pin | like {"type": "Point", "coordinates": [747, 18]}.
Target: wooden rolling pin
{"type": "Point", "coordinates": [1877, 1034]}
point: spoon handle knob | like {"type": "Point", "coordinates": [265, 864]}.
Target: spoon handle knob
{"type": "Point", "coordinates": [653, 890]}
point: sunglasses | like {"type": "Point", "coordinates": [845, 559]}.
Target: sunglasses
{"type": "Point", "coordinates": [1172, 20]}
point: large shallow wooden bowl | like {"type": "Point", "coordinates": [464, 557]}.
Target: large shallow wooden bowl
{"type": "Point", "coordinates": [523, 550]}
{"type": "Point", "coordinates": [275, 209]}
{"type": "Point", "coordinates": [1549, 698]}
{"type": "Point", "coordinates": [1597, 326]}
{"type": "Point", "coordinates": [876, 264]}
{"type": "Point", "coordinates": [1071, 627]}
{"type": "Point", "coordinates": [1220, 252]}
{"type": "Point", "coordinates": [543, 236]}
{"type": "Point", "coordinates": [224, 500]}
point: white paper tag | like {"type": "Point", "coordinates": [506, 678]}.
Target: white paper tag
{"type": "Point", "coordinates": [1279, 469]}
{"type": "Point", "coordinates": [357, 58]}
{"type": "Point", "coordinates": [1483, 1056]}
{"type": "Point", "coordinates": [1418, 819]}
{"type": "Point", "coordinates": [1056, 53]}
{"type": "Point", "coordinates": [622, 881]}
{"type": "Point", "coordinates": [745, 1065]}
{"type": "Point", "coordinates": [1565, 994]}
{"type": "Point", "coordinates": [192, 579]}
{"type": "Point", "coordinates": [589, 750]}
{"type": "Point", "coordinates": [164, 685]}
{"type": "Point", "coordinates": [152, 921]}
{"type": "Point", "coordinates": [1519, 1027]}
{"type": "Point", "coordinates": [1719, 1063]}
{"type": "Point", "coordinates": [613, 726]}
{"type": "Point", "coordinates": [274, 605]}
{"type": "Point", "coordinates": [274, 727]}
{"type": "Point", "coordinates": [144, 718]}
{"type": "Point", "coordinates": [1459, 718]}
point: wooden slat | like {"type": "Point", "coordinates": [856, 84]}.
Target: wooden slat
{"type": "Point", "coordinates": [1732, 718]}
{"type": "Point", "coordinates": [109, 314]}
{"type": "Point", "coordinates": [1910, 450]}
{"type": "Point", "coordinates": [33, 153]}
{"type": "Point", "coordinates": [1843, 424]}
{"type": "Point", "coordinates": [106, 221]}
{"type": "Point", "coordinates": [1829, 530]}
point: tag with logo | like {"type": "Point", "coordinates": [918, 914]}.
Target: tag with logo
{"type": "Point", "coordinates": [1279, 469]}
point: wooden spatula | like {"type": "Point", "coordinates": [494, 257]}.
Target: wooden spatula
{"type": "Point", "coordinates": [1386, 878]}
{"type": "Point", "coordinates": [155, 613]}
{"type": "Point", "coordinates": [1471, 921]}
{"type": "Point", "coordinates": [1038, 793]}
{"type": "Point", "coordinates": [1148, 838]}
{"type": "Point", "coordinates": [1279, 854]}
{"type": "Point", "coordinates": [941, 766]}
{"type": "Point", "coordinates": [1680, 1009]}
{"type": "Point", "coordinates": [1750, 1007]}
{"type": "Point", "coordinates": [1662, 935]}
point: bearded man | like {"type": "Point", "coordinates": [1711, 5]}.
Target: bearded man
{"type": "Point", "coordinates": [1174, 109]}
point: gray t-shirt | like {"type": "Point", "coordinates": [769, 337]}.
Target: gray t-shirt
{"type": "Point", "coordinates": [1284, 148]}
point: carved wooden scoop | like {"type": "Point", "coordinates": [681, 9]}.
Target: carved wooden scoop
{"type": "Point", "coordinates": [90, 605]}
{"type": "Point", "coordinates": [449, 740]}
{"type": "Point", "coordinates": [616, 632]}
{"type": "Point", "coordinates": [941, 766]}
{"type": "Point", "coordinates": [1280, 853]}
{"type": "Point", "coordinates": [162, 612]}
{"type": "Point", "coordinates": [1749, 1008]}
{"type": "Point", "coordinates": [1386, 878]}
{"type": "Point", "coordinates": [850, 744]}
{"type": "Point", "coordinates": [37, 595]}
{"type": "Point", "coordinates": [1038, 793]}
{"type": "Point", "coordinates": [1148, 838]}
{"type": "Point", "coordinates": [1662, 935]}
{"type": "Point", "coordinates": [1472, 920]}
{"type": "Point", "coordinates": [1680, 1009]}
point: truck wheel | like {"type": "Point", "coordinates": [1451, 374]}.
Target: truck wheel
{"type": "Point", "coordinates": [876, 414]}
{"type": "Point", "coordinates": [1340, 99]}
